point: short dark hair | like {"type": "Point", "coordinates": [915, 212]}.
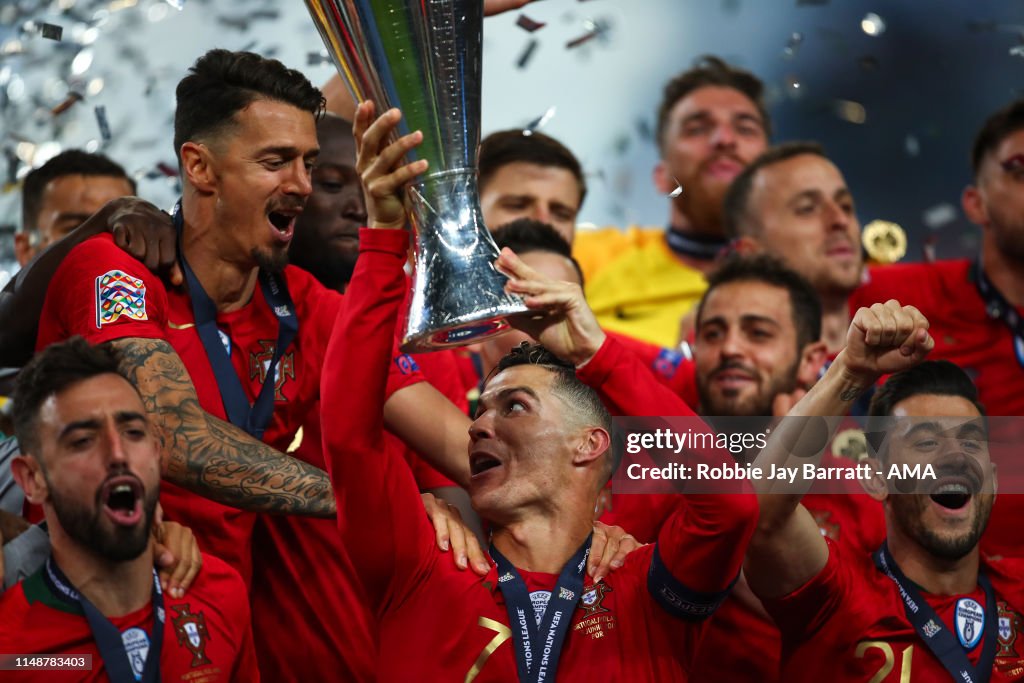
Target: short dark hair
{"type": "Point", "coordinates": [768, 270]}
{"type": "Point", "coordinates": [70, 162]}
{"type": "Point", "coordinates": [938, 377]}
{"type": "Point", "coordinates": [525, 235]}
{"type": "Point", "coordinates": [567, 385]}
{"type": "Point", "coordinates": [509, 146]}
{"type": "Point", "coordinates": [1004, 122]}
{"type": "Point", "coordinates": [711, 70]}
{"type": "Point", "coordinates": [736, 218]}
{"type": "Point", "coordinates": [221, 83]}
{"type": "Point", "coordinates": [51, 371]}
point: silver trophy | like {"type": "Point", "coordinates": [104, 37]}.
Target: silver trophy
{"type": "Point", "coordinates": [423, 56]}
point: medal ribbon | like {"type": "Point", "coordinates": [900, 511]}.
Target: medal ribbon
{"type": "Point", "coordinates": [107, 636]}
{"type": "Point", "coordinates": [539, 646]}
{"type": "Point", "coordinates": [998, 307]}
{"type": "Point", "coordinates": [931, 629]}
{"type": "Point", "coordinates": [252, 418]}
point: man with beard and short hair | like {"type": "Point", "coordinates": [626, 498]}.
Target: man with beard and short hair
{"type": "Point", "coordinates": [926, 605]}
{"type": "Point", "coordinates": [711, 123]}
{"type": "Point", "coordinates": [793, 203]}
{"type": "Point", "coordinates": [758, 336]}
{"type": "Point", "coordinates": [91, 459]}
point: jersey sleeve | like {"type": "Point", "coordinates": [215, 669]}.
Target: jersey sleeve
{"type": "Point", "coordinates": [670, 367]}
{"type": "Point", "coordinates": [627, 386]}
{"type": "Point", "coordinates": [802, 613]}
{"type": "Point", "coordinates": [101, 293]}
{"type": "Point", "coordinates": [379, 509]}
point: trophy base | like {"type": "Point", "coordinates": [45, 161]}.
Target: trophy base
{"type": "Point", "coordinates": [458, 334]}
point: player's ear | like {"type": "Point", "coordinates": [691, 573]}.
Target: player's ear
{"type": "Point", "coordinates": [197, 166]}
{"type": "Point", "coordinates": [29, 474]}
{"type": "Point", "coordinates": [875, 486]}
{"type": "Point", "coordinates": [662, 181]}
{"type": "Point", "coordinates": [974, 205]}
{"type": "Point", "coordinates": [592, 444]}
{"type": "Point", "coordinates": [812, 358]}
{"type": "Point", "coordinates": [22, 247]}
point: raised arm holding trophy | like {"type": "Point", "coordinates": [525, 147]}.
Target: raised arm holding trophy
{"type": "Point", "coordinates": [424, 58]}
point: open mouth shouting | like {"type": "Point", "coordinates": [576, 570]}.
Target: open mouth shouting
{"type": "Point", "coordinates": [121, 498]}
{"type": "Point", "coordinates": [282, 222]}
{"type": "Point", "coordinates": [481, 463]}
{"type": "Point", "coordinates": [954, 490]}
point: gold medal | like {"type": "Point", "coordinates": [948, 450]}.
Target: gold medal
{"type": "Point", "coordinates": [885, 242]}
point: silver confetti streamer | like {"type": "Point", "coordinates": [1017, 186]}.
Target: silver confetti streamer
{"type": "Point", "coordinates": [101, 121]}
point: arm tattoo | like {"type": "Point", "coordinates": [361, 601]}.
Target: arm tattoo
{"type": "Point", "coordinates": [851, 394]}
{"type": "Point", "coordinates": [211, 457]}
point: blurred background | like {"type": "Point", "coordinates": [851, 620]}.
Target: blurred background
{"type": "Point", "coordinates": [894, 89]}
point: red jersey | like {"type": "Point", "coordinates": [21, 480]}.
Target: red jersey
{"type": "Point", "coordinates": [983, 346]}
{"type": "Point", "coordinates": [303, 558]}
{"type": "Point", "coordinates": [848, 624]}
{"type": "Point", "coordinates": [207, 635]}
{"type": "Point", "coordinates": [437, 623]}
{"type": "Point", "coordinates": [102, 294]}
{"type": "Point", "coordinates": [960, 324]}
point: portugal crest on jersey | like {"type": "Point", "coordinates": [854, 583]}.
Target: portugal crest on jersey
{"type": "Point", "coordinates": [191, 631]}
{"type": "Point", "coordinates": [259, 363]}
{"type": "Point", "coordinates": [591, 600]}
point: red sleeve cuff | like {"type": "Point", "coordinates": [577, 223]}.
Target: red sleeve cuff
{"type": "Point", "coordinates": [597, 369]}
{"type": "Point", "coordinates": [388, 241]}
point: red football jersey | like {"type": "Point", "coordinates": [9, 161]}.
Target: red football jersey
{"type": "Point", "coordinates": [960, 324]}
{"type": "Point", "coordinates": [848, 624]}
{"type": "Point", "coordinates": [983, 346]}
{"type": "Point", "coordinates": [437, 623]}
{"type": "Point", "coordinates": [207, 634]}
{"type": "Point", "coordinates": [304, 559]}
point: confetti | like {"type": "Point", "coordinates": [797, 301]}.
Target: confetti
{"type": "Point", "coordinates": [52, 31]}
{"type": "Point", "coordinates": [539, 121]}
{"type": "Point", "coordinates": [868, 63]}
{"type": "Point", "coordinates": [317, 58]}
{"type": "Point", "coordinates": [851, 112]}
{"type": "Point", "coordinates": [793, 45]}
{"type": "Point", "coordinates": [101, 121]}
{"type": "Point", "coordinates": [68, 102]}
{"type": "Point", "coordinates": [872, 24]}
{"type": "Point", "coordinates": [939, 215]}
{"type": "Point", "coordinates": [527, 54]}
{"type": "Point", "coordinates": [912, 145]}
{"type": "Point", "coordinates": [527, 24]}
{"type": "Point", "coordinates": [928, 248]}
{"type": "Point", "coordinates": [793, 86]}
{"type": "Point", "coordinates": [644, 129]}
{"type": "Point", "coordinates": [595, 29]}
